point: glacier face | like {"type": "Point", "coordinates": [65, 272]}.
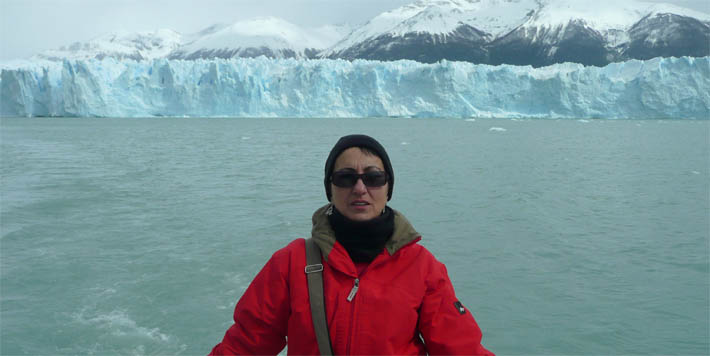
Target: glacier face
{"type": "Point", "coordinates": [261, 87]}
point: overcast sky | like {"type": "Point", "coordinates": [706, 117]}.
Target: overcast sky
{"type": "Point", "coordinates": [30, 26]}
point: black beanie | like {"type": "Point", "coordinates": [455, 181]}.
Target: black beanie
{"type": "Point", "coordinates": [365, 141]}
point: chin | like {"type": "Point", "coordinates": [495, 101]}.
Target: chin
{"type": "Point", "coordinates": [360, 216]}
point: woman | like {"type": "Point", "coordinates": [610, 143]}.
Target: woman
{"type": "Point", "coordinates": [384, 293]}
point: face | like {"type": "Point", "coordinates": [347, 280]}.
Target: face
{"type": "Point", "coordinates": [359, 202]}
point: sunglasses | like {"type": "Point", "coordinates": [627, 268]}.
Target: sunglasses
{"type": "Point", "coordinates": [345, 179]}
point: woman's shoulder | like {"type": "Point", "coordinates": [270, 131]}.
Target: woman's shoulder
{"type": "Point", "coordinates": [288, 257]}
{"type": "Point", "coordinates": [296, 246]}
{"type": "Point", "coordinates": [426, 259]}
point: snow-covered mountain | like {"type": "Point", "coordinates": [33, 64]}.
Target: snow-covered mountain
{"type": "Point", "coordinates": [537, 32]}
{"type": "Point", "coordinates": [431, 30]}
{"type": "Point", "coordinates": [265, 36]}
{"type": "Point", "coordinates": [269, 36]}
{"type": "Point", "coordinates": [665, 34]}
{"type": "Point", "coordinates": [522, 32]}
{"type": "Point", "coordinates": [601, 32]}
{"type": "Point", "coordinates": [123, 45]}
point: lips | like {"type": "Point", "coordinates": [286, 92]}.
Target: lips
{"type": "Point", "coordinates": [360, 203]}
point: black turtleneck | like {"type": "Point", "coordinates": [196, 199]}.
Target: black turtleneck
{"type": "Point", "coordinates": [363, 240]}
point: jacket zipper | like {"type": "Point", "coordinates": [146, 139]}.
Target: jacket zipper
{"type": "Point", "coordinates": [354, 290]}
{"type": "Point", "coordinates": [350, 298]}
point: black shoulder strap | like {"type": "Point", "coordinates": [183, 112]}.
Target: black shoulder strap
{"type": "Point", "coordinates": [314, 274]}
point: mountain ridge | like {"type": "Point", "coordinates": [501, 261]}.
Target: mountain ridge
{"type": "Point", "coordinates": [521, 32]}
{"type": "Point", "coordinates": [551, 31]}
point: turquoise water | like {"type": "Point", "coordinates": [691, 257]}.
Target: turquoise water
{"type": "Point", "coordinates": [137, 236]}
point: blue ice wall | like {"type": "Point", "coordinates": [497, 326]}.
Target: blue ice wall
{"type": "Point", "coordinates": [261, 87]}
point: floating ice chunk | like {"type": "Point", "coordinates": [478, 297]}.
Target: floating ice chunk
{"type": "Point", "coordinates": [470, 120]}
{"type": "Point", "coordinates": [497, 129]}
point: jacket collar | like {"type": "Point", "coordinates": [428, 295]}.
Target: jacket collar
{"type": "Point", "coordinates": [324, 236]}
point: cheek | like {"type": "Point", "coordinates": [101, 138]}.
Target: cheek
{"type": "Point", "coordinates": [380, 195]}
{"type": "Point", "coordinates": [337, 194]}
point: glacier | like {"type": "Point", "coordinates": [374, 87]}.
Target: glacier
{"type": "Point", "coordinates": [676, 88]}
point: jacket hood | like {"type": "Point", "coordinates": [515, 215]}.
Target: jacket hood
{"type": "Point", "coordinates": [324, 236]}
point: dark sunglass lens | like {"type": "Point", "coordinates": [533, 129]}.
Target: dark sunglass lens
{"type": "Point", "coordinates": [344, 179]}
{"type": "Point", "coordinates": [374, 179]}
{"type": "Point", "coordinates": [348, 179]}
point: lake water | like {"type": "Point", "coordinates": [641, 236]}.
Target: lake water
{"type": "Point", "coordinates": [138, 236]}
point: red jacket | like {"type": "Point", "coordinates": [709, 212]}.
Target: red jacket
{"type": "Point", "coordinates": [404, 304]}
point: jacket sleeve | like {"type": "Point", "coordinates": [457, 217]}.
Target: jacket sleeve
{"type": "Point", "coordinates": [261, 315]}
{"type": "Point", "coordinates": [447, 327]}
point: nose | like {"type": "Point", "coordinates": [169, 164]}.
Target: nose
{"type": "Point", "coordinates": [359, 187]}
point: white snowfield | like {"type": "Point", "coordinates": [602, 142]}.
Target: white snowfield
{"type": "Point", "coordinates": [658, 88]}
